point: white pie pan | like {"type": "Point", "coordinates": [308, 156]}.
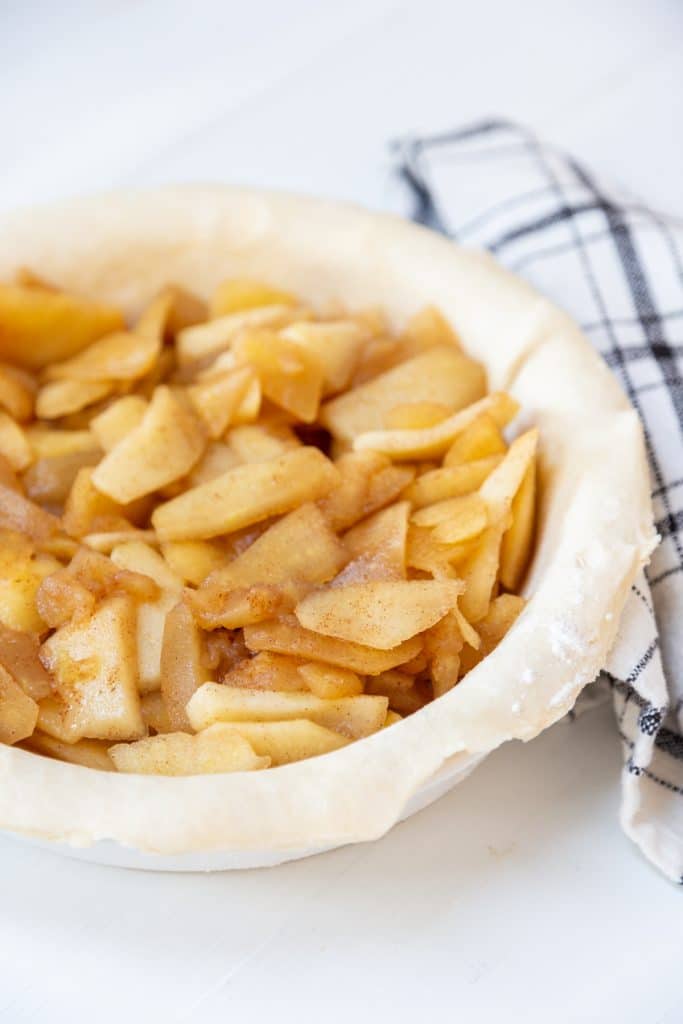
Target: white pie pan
{"type": "Point", "coordinates": [595, 522]}
{"type": "Point", "coordinates": [113, 854]}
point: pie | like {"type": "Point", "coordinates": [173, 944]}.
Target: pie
{"type": "Point", "coordinates": [296, 500]}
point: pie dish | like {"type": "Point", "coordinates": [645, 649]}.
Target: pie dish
{"type": "Point", "coordinates": [595, 527]}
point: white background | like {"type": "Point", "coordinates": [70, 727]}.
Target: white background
{"type": "Point", "coordinates": [515, 897]}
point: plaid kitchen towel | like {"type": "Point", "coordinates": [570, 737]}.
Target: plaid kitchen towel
{"type": "Point", "coordinates": [617, 267]}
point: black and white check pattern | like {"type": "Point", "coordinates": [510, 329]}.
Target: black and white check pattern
{"type": "Point", "coordinates": [617, 267]}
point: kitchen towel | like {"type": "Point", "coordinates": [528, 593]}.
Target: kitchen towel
{"type": "Point", "coordinates": [617, 267]}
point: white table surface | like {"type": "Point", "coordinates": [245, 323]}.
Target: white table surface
{"type": "Point", "coordinates": [516, 896]}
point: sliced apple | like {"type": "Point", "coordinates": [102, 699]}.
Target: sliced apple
{"type": "Point", "coordinates": [49, 442]}
{"type": "Point", "coordinates": [218, 749]}
{"type": "Point", "coordinates": [481, 440]}
{"type": "Point", "coordinates": [381, 614]}
{"type": "Point", "coordinates": [500, 487]}
{"type": "Point", "coordinates": [441, 374]}
{"type": "Point", "coordinates": [517, 540]}
{"type": "Point", "coordinates": [329, 681]}
{"type": "Point", "coordinates": [86, 753]}
{"type": "Point", "coordinates": [336, 345]}
{"type": "Point", "coordinates": [118, 419]}
{"type": "Point", "coordinates": [18, 513]}
{"type": "Point", "coordinates": [19, 656]}
{"type": "Point", "coordinates": [218, 399]}
{"type": "Point", "coordinates": [257, 442]}
{"type": "Point", "coordinates": [193, 560]}
{"type": "Point", "coordinates": [209, 339]}
{"type": "Point", "coordinates": [183, 663]}
{"type": "Point", "coordinates": [450, 481]}
{"type": "Point", "coordinates": [14, 444]}
{"type": "Point", "coordinates": [18, 711]}
{"type": "Point", "coordinates": [17, 392]}
{"type": "Point", "coordinates": [351, 716]}
{"type": "Point", "coordinates": [287, 636]}
{"type": "Point", "coordinates": [151, 615]}
{"type": "Point", "coordinates": [164, 446]}
{"type": "Point", "coordinates": [416, 415]}
{"type": "Point", "coordinates": [245, 495]}
{"type": "Point", "coordinates": [123, 356]}
{"type": "Point", "coordinates": [21, 574]}
{"type": "Point", "coordinates": [382, 538]}
{"type": "Point", "coordinates": [238, 294]}
{"type": "Point", "coordinates": [479, 571]}
{"type": "Point", "coordinates": [434, 441]}
{"type": "Point", "coordinates": [39, 326]}
{"type": "Point", "coordinates": [294, 740]}
{"type": "Point", "coordinates": [63, 397]}
{"type": "Point", "coordinates": [300, 548]}
{"type": "Point", "coordinates": [94, 665]}
{"type": "Point", "coordinates": [291, 376]}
